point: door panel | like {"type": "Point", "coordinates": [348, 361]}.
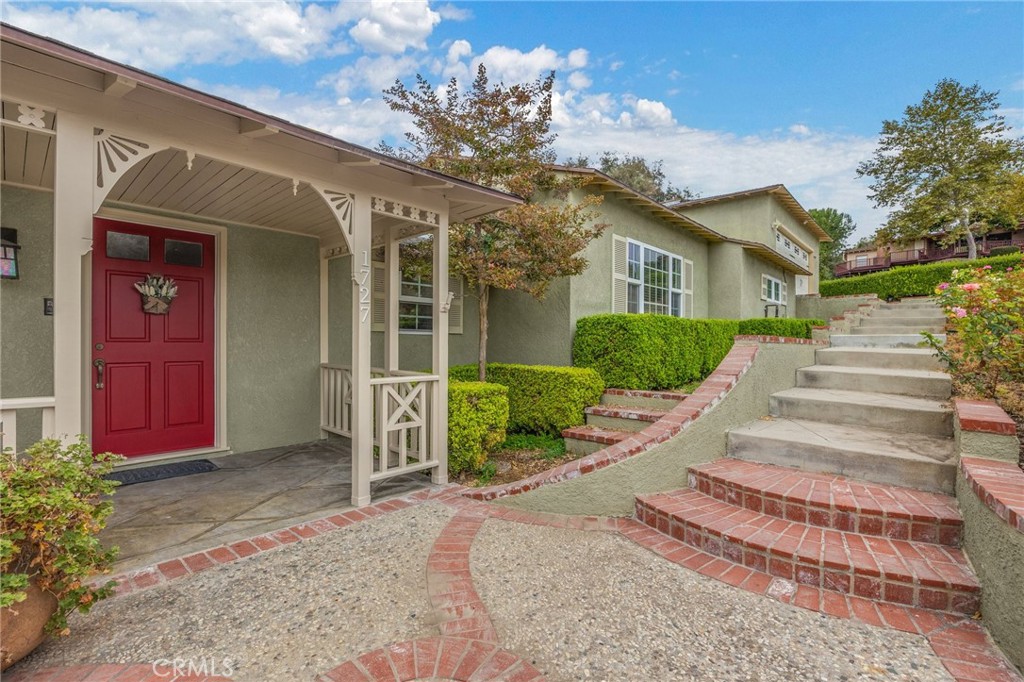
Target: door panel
{"type": "Point", "coordinates": [157, 392]}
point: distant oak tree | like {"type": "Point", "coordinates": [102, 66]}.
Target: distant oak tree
{"type": "Point", "coordinates": [942, 168]}
{"type": "Point", "coordinates": [840, 227]}
{"type": "Point", "coordinates": [500, 136]}
{"type": "Point", "coordinates": [637, 173]}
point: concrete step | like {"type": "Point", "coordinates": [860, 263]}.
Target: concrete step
{"type": "Point", "coordinates": [658, 400]}
{"type": "Point", "coordinates": [903, 321]}
{"type": "Point", "coordinates": [830, 501]}
{"type": "Point", "coordinates": [899, 329]}
{"type": "Point", "coordinates": [586, 440]}
{"type": "Point", "coordinates": [916, 382]}
{"type": "Point", "coordinates": [903, 458]}
{"type": "Point", "coordinates": [882, 358]}
{"type": "Point", "coordinates": [907, 303]}
{"type": "Point", "coordinates": [905, 414]}
{"type": "Point", "coordinates": [932, 312]}
{"type": "Point", "coordinates": [880, 340]}
{"type": "Point", "coordinates": [916, 574]}
{"type": "Point", "coordinates": [622, 418]}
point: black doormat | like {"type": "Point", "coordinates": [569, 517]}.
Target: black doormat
{"type": "Point", "coordinates": [159, 472]}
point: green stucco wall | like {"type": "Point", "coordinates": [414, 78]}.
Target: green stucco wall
{"type": "Point", "coordinates": [735, 283]}
{"type": "Point", "coordinates": [779, 213]}
{"type": "Point", "coordinates": [996, 552]}
{"type": "Point", "coordinates": [414, 350]}
{"type": "Point", "coordinates": [611, 491]}
{"type": "Point", "coordinates": [824, 308]}
{"type": "Point", "coordinates": [524, 330]}
{"type": "Point", "coordinates": [26, 335]}
{"type": "Point", "coordinates": [273, 339]}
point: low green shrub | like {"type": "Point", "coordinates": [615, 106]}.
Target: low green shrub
{"type": "Point", "coordinates": [792, 327]}
{"type": "Point", "coordinates": [650, 352]}
{"type": "Point", "coordinates": [477, 423]}
{"type": "Point", "coordinates": [1004, 250]}
{"type": "Point", "coordinates": [910, 280]}
{"type": "Point", "coordinates": [541, 399]}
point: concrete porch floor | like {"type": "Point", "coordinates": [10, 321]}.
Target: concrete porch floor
{"type": "Point", "coordinates": [252, 493]}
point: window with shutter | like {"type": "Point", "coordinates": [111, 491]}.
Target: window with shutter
{"type": "Point", "coordinates": [688, 288]}
{"type": "Point", "coordinates": [772, 290]}
{"type": "Point", "coordinates": [620, 271]}
{"type": "Point", "coordinates": [415, 302]}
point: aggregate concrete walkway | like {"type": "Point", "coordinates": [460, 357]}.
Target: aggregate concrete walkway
{"type": "Point", "coordinates": [434, 586]}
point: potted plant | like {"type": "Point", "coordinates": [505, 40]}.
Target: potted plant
{"type": "Point", "coordinates": [55, 502]}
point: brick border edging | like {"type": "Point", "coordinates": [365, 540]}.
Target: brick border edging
{"type": "Point", "coordinates": [728, 373]}
{"type": "Point", "coordinates": [1000, 487]}
{"type": "Point", "coordinates": [983, 416]}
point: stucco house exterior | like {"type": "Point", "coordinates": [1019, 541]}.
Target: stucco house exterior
{"type": "Point", "coordinates": [741, 255]}
{"type": "Point", "coordinates": [113, 177]}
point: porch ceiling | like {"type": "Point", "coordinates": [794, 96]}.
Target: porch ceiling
{"type": "Point", "coordinates": [28, 157]}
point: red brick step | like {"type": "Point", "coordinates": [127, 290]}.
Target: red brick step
{"type": "Point", "coordinates": [831, 501]}
{"type": "Point", "coordinates": [593, 434]}
{"type": "Point", "coordinates": [625, 412]}
{"type": "Point", "coordinates": [919, 574]}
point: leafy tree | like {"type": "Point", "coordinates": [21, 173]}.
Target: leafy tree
{"type": "Point", "coordinates": [840, 227]}
{"type": "Point", "coordinates": [636, 172]}
{"type": "Point", "coordinates": [941, 166]}
{"type": "Point", "coordinates": [500, 136]}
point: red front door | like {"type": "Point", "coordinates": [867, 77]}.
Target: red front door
{"type": "Point", "coordinates": [152, 374]}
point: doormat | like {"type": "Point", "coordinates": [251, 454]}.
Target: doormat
{"type": "Point", "coordinates": [159, 472]}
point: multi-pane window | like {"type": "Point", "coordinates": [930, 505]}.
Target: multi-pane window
{"type": "Point", "coordinates": [790, 248]}
{"type": "Point", "coordinates": [416, 303]}
{"type": "Point", "coordinates": [655, 281]}
{"type": "Point", "coordinates": [773, 290]}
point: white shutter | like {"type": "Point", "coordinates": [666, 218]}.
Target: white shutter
{"type": "Point", "coordinates": [380, 308]}
{"type": "Point", "coordinates": [784, 298]}
{"type": "Point", "coordinates": [687, 288]}
{"type": "Point", "coordinates": [764, 287]}
{"type": "Point", "coordinates": [620, 272]}
{"type": "Point", "coordinates": [455, 285]}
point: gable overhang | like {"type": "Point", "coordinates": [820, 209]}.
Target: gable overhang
{"type": "Point", "coordinates": [609, 185]}
{"type": "Point", "coordinates": [68, 68]}
{"type": "Point", "coordinates": [772, 256]}
{"type": "Point", "coordinates": [778, 192]}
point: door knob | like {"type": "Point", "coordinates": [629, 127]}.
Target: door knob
{"type": "Point", "coordinates": [99, 365]}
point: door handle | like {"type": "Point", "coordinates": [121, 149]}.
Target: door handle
{"type": "Point", "coordinates": [99, 365]}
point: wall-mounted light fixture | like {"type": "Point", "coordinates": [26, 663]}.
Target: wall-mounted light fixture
{"type": "Point", "coordinates": [9, 253]}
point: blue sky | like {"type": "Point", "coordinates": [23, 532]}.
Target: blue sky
{"type": "Point", "coordinates": [728, 95]}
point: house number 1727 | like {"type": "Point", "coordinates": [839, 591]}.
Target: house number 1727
{"type": "Point", "coordinates": [363, 281]}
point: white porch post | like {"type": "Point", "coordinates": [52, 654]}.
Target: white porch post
{"type": "Point", "coordinates": [439, 427]}
{"type": "Point", "coordinates": [392, 286]}
{"type": "Point", "coordinates": [362, 313]}
{"type": "Point", "coordinates": [72, 232]}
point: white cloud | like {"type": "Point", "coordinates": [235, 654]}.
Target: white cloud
{"type": "Point", "coordinates": [372, 74]}
{"type": "Point", "coordinates": [165, 34]}
{"type": "Point", "coordinates": [510, 65]}
{"type": "Point", "coordinates": [450, 12]}
{"type": "Point", "coordinates": [799, 129]}
{"type": "Point", "coordinates": [615, 66]}
{"type": "Point", "coordinates": [577, 58]}
{"type": "Point", "coordinates": [391, 26]}
{"type": "Point", "coordinates": [652, 114]}
{"type": "Point", "coordinates": [579, 80]}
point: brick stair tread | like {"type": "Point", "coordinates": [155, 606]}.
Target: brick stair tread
{"type": "Point", "coordinates": [595, 434]}
{"type": "Point", "coordinates": [657, 395]}
{"type": "Point", "coordinates": [832, 492]}
{"type": "Point", "coordinates": [898, 561]}
{"type": "Point", "coordinates": [625, 412]}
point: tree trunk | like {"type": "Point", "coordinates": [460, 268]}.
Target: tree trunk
{"type": "Point", "coordinates": [972, 245]}
{"type": "Point", "coordinates": [483, 292]}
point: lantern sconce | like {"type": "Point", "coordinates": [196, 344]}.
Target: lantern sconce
{"type": "Point", "coordinates": [9, 253]}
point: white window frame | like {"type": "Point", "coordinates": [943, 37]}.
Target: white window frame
{"type": "Point", "coordinates": [773, 290]}
{"type": "Point", "coordinates": [422, 303]}
{"type": "Point", "coordinates": [677, 279]}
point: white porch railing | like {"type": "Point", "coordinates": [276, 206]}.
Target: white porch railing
{"type": "Point", "coordinates": [9, 418]}
{"type": "Point", "coordinates": [402, 416]}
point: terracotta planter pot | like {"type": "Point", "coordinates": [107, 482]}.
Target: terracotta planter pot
{"type": "Point", "coordinates": [22, 625]}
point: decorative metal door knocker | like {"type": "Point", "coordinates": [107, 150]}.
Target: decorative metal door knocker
{"type": "Point", "coordinates": [157, 294]}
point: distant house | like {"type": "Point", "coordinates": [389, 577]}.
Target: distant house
{"type": "Point", "coordinates": [745, 254]}
{"type": "Point", "coordinates": [864, 260]}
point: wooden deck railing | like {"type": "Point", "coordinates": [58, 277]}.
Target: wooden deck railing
{"type": "Point", "coordinates": [9, 418]}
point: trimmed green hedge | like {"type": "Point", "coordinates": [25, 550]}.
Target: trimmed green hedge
{"type": "Point", "coordinates": [477, 423]}
{"type": "Point", "coordinates": [650, 352]}
{"type": "Point", "coordinates": [910, 280]}
{"type": "Point", "coordinates": [1004, 250]}
{"type": "Point", "coordinates": [791, 327]}
{"type": "Point", "coordinates": [541, 399]}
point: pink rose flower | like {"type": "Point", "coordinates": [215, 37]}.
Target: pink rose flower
{"type": "Point", "coordinates": [987, 267]}
{"type": "Point", "coordinates": [959, 312]}
{"type": "Point", "coordinates": [943, 286]}
{"type": "Point", "coordinates": [970, 286]}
